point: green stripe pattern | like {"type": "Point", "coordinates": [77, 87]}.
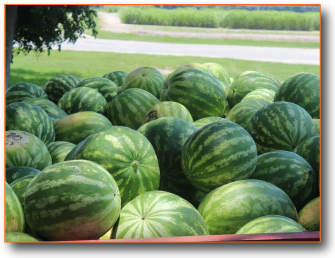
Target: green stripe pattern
{"type": "Point", "coordinates": [198, 91]}
{"type": "Point", "coordinates": [280, 126]}
{"type": "Point", "coordinates": [58, 85]}
{"type": "Point", "coordinates": [264, 95]}
{"type": "Point", "coordinates": [207, 120]}
{"type": "Point", "coordinates": [290, 172]}
{"type": "Point", "coordinates": [83, 99]}
{"type": "Point", "coordinates": [126, 154]}
{"type": "Point", "coordinates": [168, 109]}
{"type": "Point", "coordinates": [129, 107]}
{"type": "Point", "coordinates": [22, 91]}
{"type": "Point", "coordinates": [76, 127]}
{"type": "Point", "coordinates": [159, 214]}
{"type": "Point", "coordinates": [106, 87]}
{"type": "Point", "coordinates": [30, 118]}
{"type": "Point", "coordinates": [197, 66]}
{"type": "Point", "coordinates": [271, 224]}
{"type": "Point", "coordinates": [302, 89]}
{"type": "Point", "coordinates": [14, 216]}
{"type": "Point", "coordinates": [218, 72]}
{"type": "Point", "coordinates": [117, 77]}
{"type": "Point", "coordinates": [217, 154]}
{"type": "Point", "coordinates": [59, 150]}
{"type": "Point", "coordinates": [317, 126]}
{"type": "Point", "coordinates": [20, 237]}
{"type": "Point", "coordinates": [14, 173]}
{"type": "Point", "coordinates": [167, 136]}
{"type": "Point", "coordinates": [27, 150]}
{"type": "Point", "coordinates": [242, 112]}
{"type": "Point", "coordinates": [229, 207]}
{"type": "Point", "coordinates": [247, 82]}
{"type": "Point", "coordinates": [73, 200]}
{"type": "Point", "coordinates": [145, 78]}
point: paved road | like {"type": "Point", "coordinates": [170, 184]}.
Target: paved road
{"type": "Point", "coordinates": [266, 54]}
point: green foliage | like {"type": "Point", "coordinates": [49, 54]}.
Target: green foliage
{"type": "Point", "coordinates": [42, 26]}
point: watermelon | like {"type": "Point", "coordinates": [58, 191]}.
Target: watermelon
{"type": "Point", "coordinates": [275, 80]}
{"type": "Point", "coordinates": [290, 172]}
{"type": "Point", "coordinates": [22, 91]}
{"type": "Point", "coordinates": [264, 95]}
{"type": "Point", "coordinates": [14, 216]}
{"type": "Point", "coordinates": [117, 77]}
{"type": "Point", "coordinates": [25, 149]}
{"type": "Point", "coordinates": [207, 120]}
{"type": "Point", "coordinates": [225, 86]}
{"type": "Point", "coordinates": [58, 85]}
{"type": "Point", "coordinates": [198, 91]}
{"type": "Point", "coordinates": [126, 154]}
{"type": "Point", "coordinates": [13, 173]}
{"type": "Point", "coordinates": [271, 224]}
{"type": "Point", "coordinates": [30, 118]}
{"type": "Point", "coordinates": [309, 215]}
{"type": "Point", "coordinates": [217, 154]}
{"type": "Point", "coordinates": [197, 66]}
{"type": "Point", "coordinates": [82, 99]}
{"type": "Point", "coordinates": [20, 237]}
{"type": "Point", "coordinates": [229, 207]}
{"type": "Point", "coordinates": [247, 82]}
{"type": "Point", "coordinates": [317, 126]}
{"type": "Point", "coordinates": [106, 87]}
{"type": "Point", "coordinates": [54, 112]}
{"type": "Point", "coordinates": [145, 78]}
{"type": "Point", "coordinates": [218, 72]}
{"type": "Point", "coordinates": [129, 107]}
{"type": "Point", "coordinates": [73, 200]}
{"type": "Point", "coordinates": [302, 89]}
{"type": "Point", "coordinates": [167, 136]}
{"type": "Point", "coordinates": [59, 149]}
{"type": "Point", "coordinates": [76, 127]}
{"type": "Point", "coordinates": [280, 126]}
{"type": "Point", "coordinates": [166, 109]}
{"type": "Point", "coordinates": [159, 214]}
{"type": "Point", "coordinates": [242, 112]}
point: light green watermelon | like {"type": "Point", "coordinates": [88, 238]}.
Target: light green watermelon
{"type": "Point", "coordinates": [229, 207]}
{"type": "Point", "coordinates": [73, 200]}
{"type": "Point", "coordinates": [309, 215]}
{"type": "Point", "coordinates": [218, 72]}
{"type": "Point", "coordinates": [14, 216]}
{"type": "Point", "coordinates": [20, 237]}
{"type": "Point", "coordinates": [13, 173]}
{"type": "Point", "coordinates": [207, 120]}
{"type": "Point", "coordinates": [59, 149]}
{"type": "Point", "coordinates": [117, 77]}
{"type": "Point", "coordinates": [22, 91]}
{"type": "Point", "coordinates": [159, 214]}
{"type": "Point", "coordinates": [264, 95]}
{"type": "Point", "coordinates": [271, 224]}
{"type": "Point", "coordinates": [217, 154]}
{"type": "Point", "coordinates": [195, 66]}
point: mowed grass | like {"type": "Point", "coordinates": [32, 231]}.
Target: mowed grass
{"type": "Point", "coordinates": [38, 69]}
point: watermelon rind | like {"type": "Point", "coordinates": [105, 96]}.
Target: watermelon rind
{"type": "Point", "coordinates": [207, 120]}
{"type": "Point", "coordinates": [22, 91]}
{"type": "Point", "coordinates": [117, 77]}
{"type": "Point", "coordinates": [58, 150]}
{"type": "Point", "coordinates": [14, 216]}
{"type": "Point", "coordinates": [309, 215]}
{"type": "Point", "coordinates": [20, 237]}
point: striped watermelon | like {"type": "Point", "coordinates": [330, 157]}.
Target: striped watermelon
{"type": "Point", "coordinates": [159, 214]}
{"type": "Point", "coordinates": [129, 107]}
{"type": "Point", "coordinates": [197, 66]}
{"type": "Point", "coordinates": [30, 118]}
{"type": "Point", "coordinates": [271, 224]}
{"type": "Point", "coordinates": [76, 127]}
{"type": "Point", "coordinates": [309, 216]}
{"type": "Point", "coordinates": [167, 136]}
{"type": "Point", "coordinates": [289, 172]}
{"type": "Point", "coordinates": [25, 149]}
{"type": "Point", "coordinates": [127, 155]}
{"type": "Point", "coordinates": [13, 173]}
{"type": "Point", "coordinates": [73, 200]}
{"type": "Point", "coordinates": [22, 91]}
{"type": "Point", "coordinates": [168, 109]}
{"type": "Point", "coordinates": [280, 126]}
{"type": "Point", "coordinates": [217, 154]}
{"type": "Point", "coordinates": [145, 78]}
{"type": "Point", "coordinates": [225, 86]}
{"type": "Point", "coordinates": [317, 126]}
{"type": "Point", "coordinates": [58, 85]}
{"type": "Point", "coordinates": [302, 89]}
{"type": "Point", "coordinates": [59, 149]}
{"type": "Point", "coordinates": [207, 120]}
{"type": "Point", "coordinates": [264, 95]}
{"type": "Point", "coordinates": [83, 99]}
{"type": "Point", "coordinates": [198, 91]}
{"type": "Point", "coordinates": [106, 87]}
{"type": "Point", "coordinates": [246, 83]}
{"type": "Point", "coordinates": [229, 207]}
{"type": "Point", "coordinates": [14, 216]}
{"type": "Point", "coordinates": [54, 112]}
{"type": "Point", "coordinates": [117, 77]}
{"type": "Point", "coordinates": [218, 72]}
{"type": "Point", "coordinates": [20, 237]}
{"type": "Point", "coordinates": [242, 112]}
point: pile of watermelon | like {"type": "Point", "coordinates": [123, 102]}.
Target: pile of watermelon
{"type": "Point", "coordinates": [127, 156]}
